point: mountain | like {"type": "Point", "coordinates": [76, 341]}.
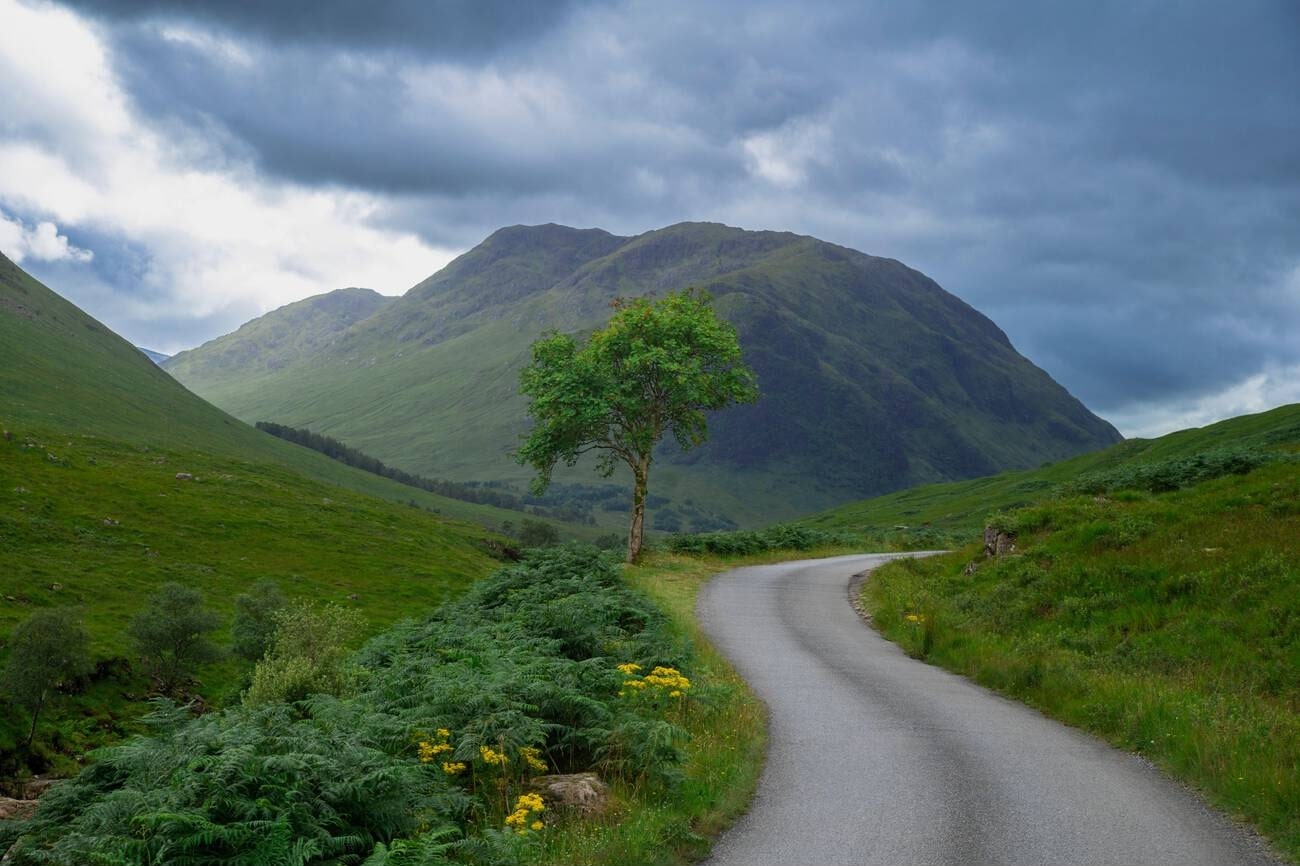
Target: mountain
{"type": "Point", "coordinates": [278, 338]}
{"type": "Point", "coordinates": [873, 377]}
{"type": "Point", "coordinates": [156, 357]}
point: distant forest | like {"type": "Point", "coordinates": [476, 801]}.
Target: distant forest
{"type": "Point", "coordinates": [471, 491]}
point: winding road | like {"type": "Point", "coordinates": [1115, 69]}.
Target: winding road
{"type": "Point", "coordinates": [876, 758]}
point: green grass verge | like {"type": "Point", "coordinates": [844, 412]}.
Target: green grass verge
{"type": "Point", "coordinates": [1167, 623]}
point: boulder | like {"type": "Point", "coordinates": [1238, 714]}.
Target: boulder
{"type": "Point", "coordinates": [38, 786]}
{"type": "Point", "coordinates": [998, 542]}
{"type": "Point", "coordinates": [11, 809]}
{"type": "Point", "coordinates": [581, 793]}
{"type": "Point", "coordinates": [184, 476]}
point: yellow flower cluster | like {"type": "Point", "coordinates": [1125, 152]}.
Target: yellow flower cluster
{"type": "Point", "coordinates": [451, 768]}
{"type": "Point", "coordinates": [532, 757]}
{"type": "Point", "coordinates": [492, 757]}
{"type": "Point", "coordinates": [429, 751]}
{"type": "Point", "coordinates": [662, 679]}
{"type": "Point", "coordinates": [528, 806]}
{"type": "Point", "coordinates": [917, 618]}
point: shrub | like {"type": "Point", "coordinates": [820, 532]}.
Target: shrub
{"type": "Point", "coordinates": [535, 533]}
{"type": "Point", "coordinates": [307, 656]}
{"type": "Point", "coordinates": [749, 542]}
{"type": "Point", "coordinates": [254, 623]}
{"type": "Point", "coordinates": [172, 634]}
{"type": "Point", "coordinates": [46, 651]}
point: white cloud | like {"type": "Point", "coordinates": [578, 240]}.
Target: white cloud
{"type": "Point", "coordinates": [76, 154]}
{"type": "Point", "coordinates": [1276, 386]}
{"type": "Point", "coordinates": [41, 242]}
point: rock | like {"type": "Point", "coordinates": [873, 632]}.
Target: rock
{"type": "Point", "coordinates": [11, 809]}
{"type": "Point", "coordinates": [184, 476]}
{"type": "Point", "coordinates": [38, 786]}
{"type": "Point", "coordinates": [582, 793]}
{"type": "Point", "coordinates": [352, 596]}
{"type": "Point", "coordinates": [970, 568]}
{"type": "Point", "coordinates": [55, 587]}
{"type": "Point", "coordinates": [998, 542]}
{"type": "Point", "coordinates": [108, 521]}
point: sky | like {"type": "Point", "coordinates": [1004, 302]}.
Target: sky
{"type": "Point", "coordinates": [1116, 184]}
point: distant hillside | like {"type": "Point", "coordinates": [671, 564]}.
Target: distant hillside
{"type": "Point", "coordinates": [280, 337]}
{"type": "Point", "coordinates": [874, 378]}
{"type": "Point", "coordinates": [156, 357]}
{"type": "Point", "coordinates": [64, 372]}
{"type": "Point", "coordinates": [965, 506]}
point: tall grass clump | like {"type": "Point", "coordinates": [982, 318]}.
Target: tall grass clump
{"type": "Point", "coordinates": [426, 759]}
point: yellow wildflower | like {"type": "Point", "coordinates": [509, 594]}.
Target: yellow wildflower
{"type": "Point", "coordinates": [629, 668]}
{"type": "Point", "coordinates": [537, 825]}
{"type": "Point", "coordinates": [444, 733]}
{"type": "Point", "coordinates": [492, 757]}
{"type": "Point", "coordinates": [426, 751]}
{"type": "Point", "coordinates": [532, 758]}
{"type": "Point", "coordinates": [526, 807]}
{"type": "Point", "coordinates": [451, 768]}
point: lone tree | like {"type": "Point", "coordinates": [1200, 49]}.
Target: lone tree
{"type": "Point", "coordinates": [657, 366]}
{"type": "Point", "coordinates": [46, 651]}
{"type": "Point", "coordinates": [172, 634]}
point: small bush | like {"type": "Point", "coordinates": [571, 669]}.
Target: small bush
{"type": "Point", "coordinates": [254, 623]}
{"type": "Point", "coordinates": [307, 656]}
{"type": "Point", "coordinates": [172, 634]}
{"type": "Point", "coordinates": [749, 542]}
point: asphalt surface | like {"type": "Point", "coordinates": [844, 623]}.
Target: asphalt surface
{"type": "Point", "coordinates": [875, 757]}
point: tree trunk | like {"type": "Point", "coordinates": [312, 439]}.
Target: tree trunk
{"type": "Point", "coordinates": [636, 532]}
{"type": "Point", "coordinates": [36, 714]}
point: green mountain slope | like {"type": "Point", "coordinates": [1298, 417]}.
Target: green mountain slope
{"type": "Point", "coordinates": [66, 373]}
{"type": "Point", "coordinates": [874, 378]}
{"type": "Point", "coordinates": [965, 506]}
{"type": "Point", "coordinates": [281, 336]}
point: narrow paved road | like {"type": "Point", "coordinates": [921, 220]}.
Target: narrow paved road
{"type": "Point", "coordinates": [877, 758]}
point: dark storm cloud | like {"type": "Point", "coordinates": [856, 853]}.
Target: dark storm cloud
{"type": "Point", "coordinates": [1117, 184]}
{"type": "Point", "coordinates": [450, 28]}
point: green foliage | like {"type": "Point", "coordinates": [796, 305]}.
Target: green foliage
{"type": "Point", "coordinates": [527, 659]}
{"type": "Point", "coordinates": [748, 542]}
{"type": "Point", "coordinates": [656, 367]}
{"type": "Point", "coordinates": [173, 634]}
{"type": "Point", "coordinates": [1174, 473]}
{"type": "Point", "coordinates": [307, 656]}
{"type": "Point", "coordinates": [1167, 622]}
{"type": "Point", "coordinates": [535, 533]}
{"type": "Point", "coordinates": [255, 616]}
{"type": "Point", "coordinates": [47, 650]}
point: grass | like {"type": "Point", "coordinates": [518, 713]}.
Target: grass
{"type": "Point", "coordinates": [1167, 623]}
{"type": "Point", "coordinates": [99, 524]}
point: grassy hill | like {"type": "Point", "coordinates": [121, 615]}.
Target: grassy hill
{"type": "Point", "coordinates": [93, 514]}
{"type": "Point", "coordinates": [964, 507]}
{"type": "Point", "coordinates": [874, 378]}
{"type": "Point", "coordinates": [1152, 597]}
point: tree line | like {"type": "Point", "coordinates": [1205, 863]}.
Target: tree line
{"type": "Point", "coordinates": [465, 492]}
